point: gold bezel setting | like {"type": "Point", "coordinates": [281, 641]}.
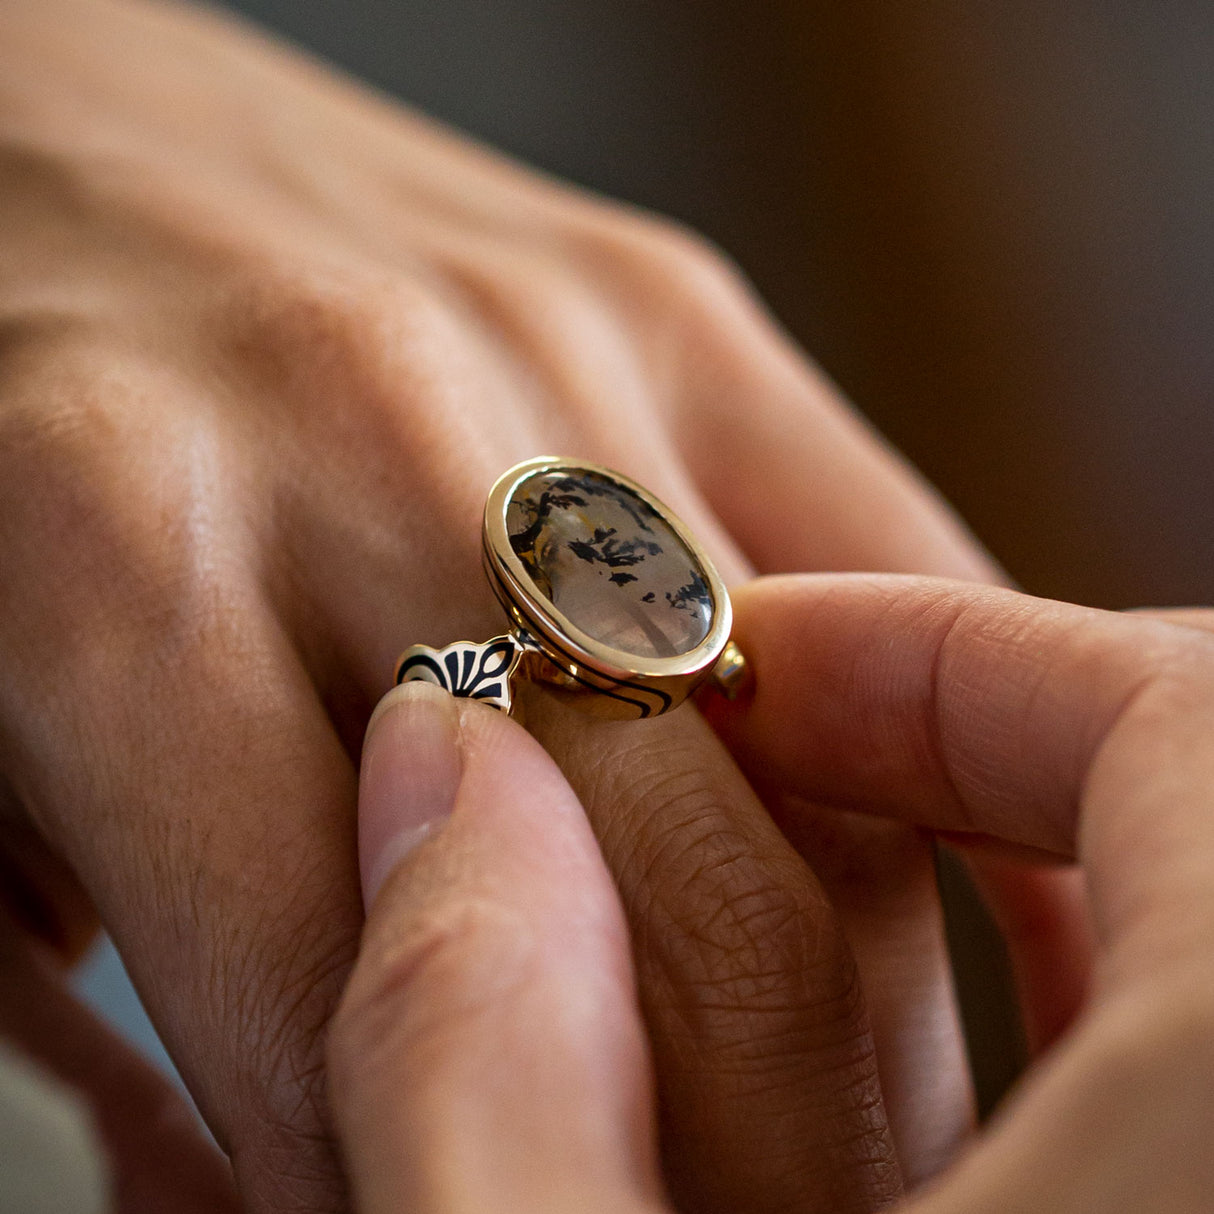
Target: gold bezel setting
{"type": "Point", "coordinates": [619, 684]}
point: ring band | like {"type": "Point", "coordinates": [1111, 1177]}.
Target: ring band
{"type": "Point", "coordinates": [610, 599]}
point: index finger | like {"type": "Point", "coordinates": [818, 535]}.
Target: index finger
{"type": "Point", "coordinates": [982, 711]}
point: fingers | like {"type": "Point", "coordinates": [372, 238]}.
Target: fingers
{"type": "Point", "coordinates": [924, 700]}
{"type": "Point", "coordinates": [802, 483]}
{"type": "Point", "coordinates": [488, 1053]}
{"type": "Point", "coordinates": [985, 712]}
{"type": "Point", "coordinates": [880, 879]}
{"type": "Point", "coordinates": [158, 1157]}
{"type": "Point", "coordinates": [768, 1087]}
{"type": "Point", "coordinates": [762, 1045]}
{"type": "Point", "coordinates": [219, 852]}
{"type": "Point", "coordinates": [161, 734]}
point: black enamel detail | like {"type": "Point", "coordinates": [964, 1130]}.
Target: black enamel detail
{"type": "Point", "coordinates": [476, 672]}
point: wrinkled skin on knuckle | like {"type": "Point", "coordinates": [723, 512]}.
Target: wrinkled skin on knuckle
{"type": "Point", "coordinates": [764, 1054]}
{"type": "Point", "coordinates": [582, 374]}
{"type": "Point", "coordinates": [366, 385]}
{"type": "Point", "coordinates": [280, 984]}
{"type": "Point", "coordinates": [53, 410]}
{"type": "Point", "coordinates": [695, 322]}
{"type": "Point", "coordinates": [736, 937]}
{"type": "Point", "coordinates": [361, 357]}
{"type": "Point", "coordinates": [259, 985]}
{"type": "Point", "coordinates": [114, 511]}
{"type": "Point", "coordinates": [313, 336]}
{"type": "Point", "coordinates": [376, 433]}
{"type": "Point", "coordinates": [756, 952]}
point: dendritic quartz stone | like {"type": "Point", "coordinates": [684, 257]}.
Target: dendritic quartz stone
{"type": "Point", "coordinates": [609, 563]}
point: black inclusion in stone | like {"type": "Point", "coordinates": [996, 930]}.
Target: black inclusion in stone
{"type": "Point", "coordinates": [692, 595]}
{"type": "Point", "coordinates": [609, 563]}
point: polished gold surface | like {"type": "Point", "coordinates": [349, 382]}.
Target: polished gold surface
{"type": "Point", "coordinates": [731, 675]}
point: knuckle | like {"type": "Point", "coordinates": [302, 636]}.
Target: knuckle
{"type": "Point", "coordinates": [46, 410]}
{"type": "Point", "coordinates": [747, 981]}
{"type": "Point", "coordinates": [287, 1006]}
{"type": "Point", "coordinates": [88, 450]}
{"type": "Point", "coordinates": [323, 339]}
{"type": "Point", "coordinates": [762, 955]}
{"type": "Point", "coordinates": [272, 981]}
{"type": "Point", "coordinates": [678, 264]}
{"type": "Point", "coordinates": [372, 367]}
{"type": "Point", "coordinates": [1181, 663]}
{"type": "Point", "coordinates": [738, 928]}
{"type": "Point", "coordinates": [111, 507]}
{"type": "Point", "coordinates": [267, 983]}
{"type": "Point", "coordinates": [693, 263]}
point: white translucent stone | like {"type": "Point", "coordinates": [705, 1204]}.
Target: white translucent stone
{"type": "Point", "coordinates": [609, 563]}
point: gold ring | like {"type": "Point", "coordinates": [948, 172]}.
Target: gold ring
{"type": "Point", "coordinates": [610, 599]}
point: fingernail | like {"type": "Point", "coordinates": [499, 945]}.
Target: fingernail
{"type": "Point", "coordinates": [411, 770]}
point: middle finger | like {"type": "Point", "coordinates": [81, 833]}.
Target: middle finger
{"type": "Point", "coordinates": [765, 1059]}
{"type": "Point", "coordinates": [768, 1088]}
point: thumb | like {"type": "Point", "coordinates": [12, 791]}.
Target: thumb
{"type": "Point", "coordinates": [488, 1053]}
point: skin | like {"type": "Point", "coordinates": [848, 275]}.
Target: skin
{"type": "Point", "coordinates": [266, 339]}
{"type": "Point", "coordinates": [490, 1053]}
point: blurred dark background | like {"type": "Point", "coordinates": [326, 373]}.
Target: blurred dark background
{"type": "Point", "coordinates": [990, 223]}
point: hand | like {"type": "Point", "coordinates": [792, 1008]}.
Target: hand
{"type": "Point", "coordinates": [267, 340]}
{"type": "Point", "coordinates": [489, 1054]}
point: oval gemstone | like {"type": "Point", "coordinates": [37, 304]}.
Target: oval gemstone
{"type": "Point", "coordinates": [609, 563]}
